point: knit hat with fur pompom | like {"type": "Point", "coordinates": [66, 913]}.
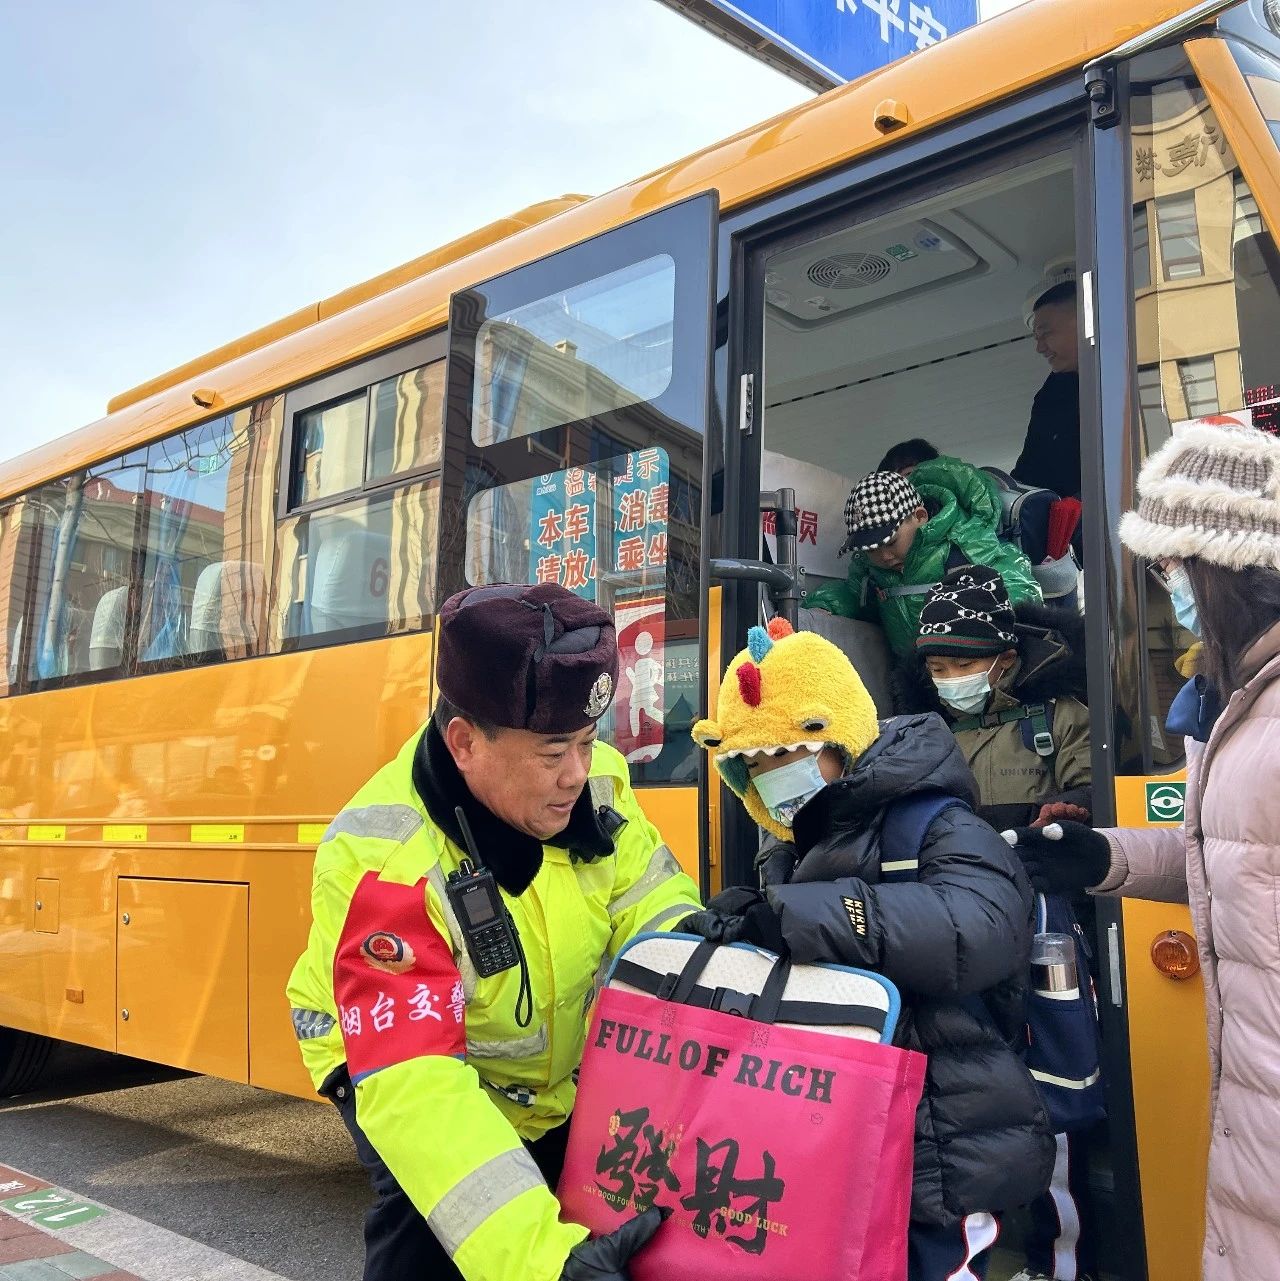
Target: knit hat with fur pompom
{"type": "Point", "coordinates": [1213, 491]}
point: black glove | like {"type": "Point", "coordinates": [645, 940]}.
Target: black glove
{"type": "Point", "coordinates": [1062, 858]}
{"type": "Point", "coordinates": [734, 901]}
{"type": "Point", "coordinates": [757, 924]}
{"type": "Point", "coordinates": [605, 1258]}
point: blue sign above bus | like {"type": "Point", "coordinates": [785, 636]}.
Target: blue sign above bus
{"type": "Point", "coordinates": [828, 42]}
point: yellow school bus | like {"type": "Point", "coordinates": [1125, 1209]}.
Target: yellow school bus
{"type": "Point", "coordinates": [216, 603]}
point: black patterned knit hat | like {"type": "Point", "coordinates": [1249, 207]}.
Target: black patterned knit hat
{"type": "Point", "coordinates": [967, 615]}
{"type": "Point", "coordinates": [879, 503]}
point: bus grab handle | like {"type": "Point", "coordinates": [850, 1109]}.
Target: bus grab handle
{"type": "Point", "coordinates": [782, 580]}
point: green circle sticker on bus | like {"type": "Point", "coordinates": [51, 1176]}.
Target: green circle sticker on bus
{"type": "Point", "coordinates": [1166, 802]}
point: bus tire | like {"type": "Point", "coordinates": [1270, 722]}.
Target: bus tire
{"type": "Point", "coordinates": [23, 1056]}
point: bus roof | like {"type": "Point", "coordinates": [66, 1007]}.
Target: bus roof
{"type": "Point", "coordinates": [1024, 47]}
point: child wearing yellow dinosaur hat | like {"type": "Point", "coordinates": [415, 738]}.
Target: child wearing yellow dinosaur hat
{"type": "Point", "coordinates": [883, 865]}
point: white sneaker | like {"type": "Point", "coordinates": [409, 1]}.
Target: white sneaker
{"type": "Point", "coordinates": [1027, 1275]}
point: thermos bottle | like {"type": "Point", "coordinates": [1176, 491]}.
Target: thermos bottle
{"type": "Point", "coordinates": [1053, 965]}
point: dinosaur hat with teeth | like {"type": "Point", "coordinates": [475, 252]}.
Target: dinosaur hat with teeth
{"type": "Point", "coordinates": [786, 690]}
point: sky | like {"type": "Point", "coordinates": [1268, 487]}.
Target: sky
{"type": "Point", "coordinates": [176, 175]}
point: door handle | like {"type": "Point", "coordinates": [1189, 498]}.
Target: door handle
{"type": "Point", "coordinates": [781, 580]}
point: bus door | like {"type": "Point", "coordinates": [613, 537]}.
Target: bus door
{"type": "Point", "coordinates": [577, 405]}
{"type": "Point", "coordinates": [1187, 218]}
{"type": "Point", "coordinates": [902, 318]}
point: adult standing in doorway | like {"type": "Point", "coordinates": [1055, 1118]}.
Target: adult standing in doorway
{"type": "Point", "coordinates": [443, 1013]}
{"type": "Point", "coordinates": [1209, 521]}
{"type": "Point", "coordinates": [1050, 455]}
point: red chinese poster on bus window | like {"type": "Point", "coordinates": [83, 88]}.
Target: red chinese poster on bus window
{"type": "Point", "coordinates": [637, 710]}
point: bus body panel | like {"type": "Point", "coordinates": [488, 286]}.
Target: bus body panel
{"type": "Point", "coordinates": [122, 805]}
{"type": "Point", "coordinates": [1168, 1049]}
{"type": "Point", "coordinates": [119, 780]}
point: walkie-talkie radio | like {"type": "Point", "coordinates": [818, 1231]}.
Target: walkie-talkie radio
{"type": "Point", "coordinates": [486, 924]}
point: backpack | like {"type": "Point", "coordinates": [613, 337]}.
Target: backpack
{"type": "Point", "coordinates": [1063, 1044]}
{"type": "Point", "coordinates": [1024, 522]}
{"type": "Point", "coordinates": [1035, 725]}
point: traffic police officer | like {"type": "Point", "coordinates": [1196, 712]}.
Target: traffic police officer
{"type": "Point", "coordinates": [454, 1076]}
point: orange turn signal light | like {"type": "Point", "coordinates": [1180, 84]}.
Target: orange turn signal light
{"type": "Point", "coordinates": [1174, 954]}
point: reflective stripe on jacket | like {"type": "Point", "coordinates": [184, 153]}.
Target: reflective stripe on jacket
{"type": "Point", "coordinates": [445, 1096]}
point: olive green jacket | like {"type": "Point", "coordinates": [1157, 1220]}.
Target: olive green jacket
{"type": "Point", "coordinates": [1014, 780]}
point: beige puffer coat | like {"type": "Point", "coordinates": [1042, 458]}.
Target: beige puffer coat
{"type": "Point", "coordinates": [1225, 862]}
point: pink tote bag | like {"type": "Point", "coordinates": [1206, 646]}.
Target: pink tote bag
{"type": "Point", "coordinates": [760, 1102]}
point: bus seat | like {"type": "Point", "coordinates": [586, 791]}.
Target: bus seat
{"type": "Point", "coordinates": [865, 647]}
{"type": "Point", "coordinates": [106, 634]}
{"type": "Point", "coordinates": [349, 581]}
{"type": "Point", "coordinates": [223, 606]}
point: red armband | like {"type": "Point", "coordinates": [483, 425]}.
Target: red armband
{"type": "Point", "coordinates": [398, 991]}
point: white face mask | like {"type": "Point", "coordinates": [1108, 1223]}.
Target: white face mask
{"type": "Point", "coordinates": [785, 789]}
{"type": "Point", "coordinates": [1184, 600]}
{"type": "Point", "coordinates": [967, 694]}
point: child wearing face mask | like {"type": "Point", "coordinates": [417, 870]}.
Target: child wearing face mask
{"type": "Point", "coordinates": [796, 738]}
{"type": "Point", "coordinates": [1011, 685]}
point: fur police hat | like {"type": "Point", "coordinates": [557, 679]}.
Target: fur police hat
{"type": "Point", "coordinates": [535, 658]}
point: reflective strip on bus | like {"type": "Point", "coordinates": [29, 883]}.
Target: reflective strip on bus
{"type": "Point", "coordinates": [124, 833]}
{"type": "Point", "coordinates": [217, 833]}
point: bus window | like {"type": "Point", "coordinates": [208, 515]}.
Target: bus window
{"type": "Point", "coordinates": [368, 437]}
{"type": "Point", "coordinates": [358, 561]}
{"type": "Point", "coordinates": [1262, 75]}
{"type": "Point", "coordinates": [407, 414]}
{"type": "Point", "coordinates": [85, 527]}
{"type": "Point", "coordinates": [590, 349]}
{"type": "Point", "coordinates": [577, 406]}
{"type": "Point", "coordinates": [358, 570]}
{"type": "Point", "coordinates": [15, 548]}
{"type": "Point", "coordinates": [1207, 315]}
{"type": "Point", "coordinates": [610, 532]}
{"type": "Point", "coordinates": [329, 450]}
{"type": "Point", "coordinates": [207, 542]}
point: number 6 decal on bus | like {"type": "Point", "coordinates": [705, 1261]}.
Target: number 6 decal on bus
{"type": "Point", "coordinates": [378, 576]}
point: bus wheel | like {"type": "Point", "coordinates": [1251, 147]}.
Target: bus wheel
{"type": "Point", "coordinates": [23, 1056]}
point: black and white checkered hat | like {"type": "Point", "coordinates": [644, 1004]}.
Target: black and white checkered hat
{"type": "Point", "coordinates": [878, 504]}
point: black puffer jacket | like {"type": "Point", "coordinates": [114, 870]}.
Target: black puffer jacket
{"type": "Point", "coordinates": [956, 942]}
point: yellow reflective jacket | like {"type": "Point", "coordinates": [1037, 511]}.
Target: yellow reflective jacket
{"type": "Point", "coordinates": [447, 1084]}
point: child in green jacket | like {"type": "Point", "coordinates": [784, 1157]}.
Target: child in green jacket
{"type": "Point", "coordinates": [906, 534]}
